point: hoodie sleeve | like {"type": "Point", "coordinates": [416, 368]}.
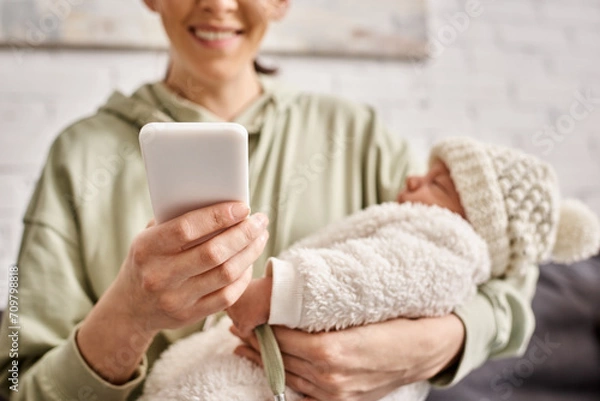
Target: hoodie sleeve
{"type": "Point", "coordinates": [499, 322]}
{"type": "Point", "coordinates": [418, 261]}
{"type": "Point", "coordinates": [53, 297]}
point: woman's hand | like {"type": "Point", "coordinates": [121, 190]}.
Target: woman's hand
{"type": "Point", "coordinates": [364, 363]}
{"type": "Point", "coordinates": [171, 284]}
{"type": "Point", "coordinates": [168, 281]}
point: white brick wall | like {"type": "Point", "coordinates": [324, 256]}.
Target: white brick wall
{"type": "Point", "coordinates": [508, 73]}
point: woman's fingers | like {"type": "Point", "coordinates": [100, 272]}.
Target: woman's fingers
{"type": "Point", "coordinates": [309, 346]}
{"type": "Point", "coordinates": [305, 387]}
{"type": "Point", "coordinates": [314, 373]}
{"type": "Point", "coordinates": [179, 281]}
{"type": "Point", "coordinates": [226, 273]}
{"type": "Point", "coordinates": [224, 249]}
{"type": "Point", "coordinates": [298, 382]}
{"type": "Point", "coordinates": [318, 372]}
{"type": "Point", "coordinates": [249, 353]}
{"type": "Point", "coordinates": [349, 364]}
{"type": "Point", "coordinates": [287, 339]}
{"type": "Point", "coordinates": [174, 235]}
{"type": "Point", "coordinates": [221, 299]}
{"type": "Point", "coordinates": [172, 279]}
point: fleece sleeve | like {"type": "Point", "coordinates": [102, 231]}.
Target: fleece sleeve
{"type": "Point", "coordinates": [53, 297]}
{"type": "Point", "coordinates": [422, 264]}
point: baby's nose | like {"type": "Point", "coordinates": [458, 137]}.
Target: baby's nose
{"type": "Point", "coordinates": [412, 183]}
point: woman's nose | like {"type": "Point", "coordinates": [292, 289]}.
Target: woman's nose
{"type": "Point", "coordinates": [217, 6]}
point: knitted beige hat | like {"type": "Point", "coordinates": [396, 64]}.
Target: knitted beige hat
{"type": "Point", "coordinates": [512, 200]}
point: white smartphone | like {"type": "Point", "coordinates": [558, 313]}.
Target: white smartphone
{"type": "Point", "coordinates": [193, 165]}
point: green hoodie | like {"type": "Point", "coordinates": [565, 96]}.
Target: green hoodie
{"type": "Point", "coordinates": [313, 159]}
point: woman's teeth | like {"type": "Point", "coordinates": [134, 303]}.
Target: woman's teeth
{"type": "Point", "coordinates": [214, 36]}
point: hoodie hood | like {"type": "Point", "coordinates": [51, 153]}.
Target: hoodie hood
{"type": "Point", "coordinates": [155, 102]}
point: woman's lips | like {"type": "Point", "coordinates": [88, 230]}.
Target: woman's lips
{"type": "Point", "coordinates": [216, 38]}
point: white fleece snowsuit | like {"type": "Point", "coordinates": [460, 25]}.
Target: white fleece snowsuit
{"type": "Point", "coordinates": [390, 260]}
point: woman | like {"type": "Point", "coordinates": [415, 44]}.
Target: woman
{"type": "Point", "coordinates": [101, 296]}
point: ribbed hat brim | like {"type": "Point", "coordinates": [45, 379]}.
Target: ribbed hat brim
{"type": "Point", "coordinates": [476, 181]}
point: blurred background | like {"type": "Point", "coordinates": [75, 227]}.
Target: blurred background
{"type": "Point", "coordinates": [524, 73]}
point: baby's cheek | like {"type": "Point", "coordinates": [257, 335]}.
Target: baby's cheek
{"type": "Point", "coordinates": [418, 196]}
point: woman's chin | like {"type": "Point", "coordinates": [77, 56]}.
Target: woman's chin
{"type": "Point", "coordinates": [217, 71]}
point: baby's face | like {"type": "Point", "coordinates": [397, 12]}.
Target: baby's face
{"type": "Point", "coordinates": [434, 188]}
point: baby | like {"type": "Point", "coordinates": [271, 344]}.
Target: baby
{"type": "Point", "coordinates": [281, 301]}
{"type": "Point", "coordinates": [481, 211]}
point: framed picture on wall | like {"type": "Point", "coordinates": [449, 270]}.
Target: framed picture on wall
{"type": "Point", "coordinates": [353, 28]}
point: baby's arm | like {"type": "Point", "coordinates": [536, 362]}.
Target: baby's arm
{"type": "Point", "coordinates": [358, 225]}
{"type": "Point", "coordinates": [424, 264]}
{"type": "Point", "coordinates": [253, 307]}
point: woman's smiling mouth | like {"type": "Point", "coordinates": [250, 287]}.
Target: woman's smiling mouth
{"type": "Point", "coordinates": [215, 37]}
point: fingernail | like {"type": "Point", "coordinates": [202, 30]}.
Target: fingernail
{"type": "Point", "coordinates": [260, 220]}
{"type": "Point", "coordinates": [239, 210]}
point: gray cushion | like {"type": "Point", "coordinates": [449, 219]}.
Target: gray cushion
{"type": "Point", "coordinates": [562, 362]}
